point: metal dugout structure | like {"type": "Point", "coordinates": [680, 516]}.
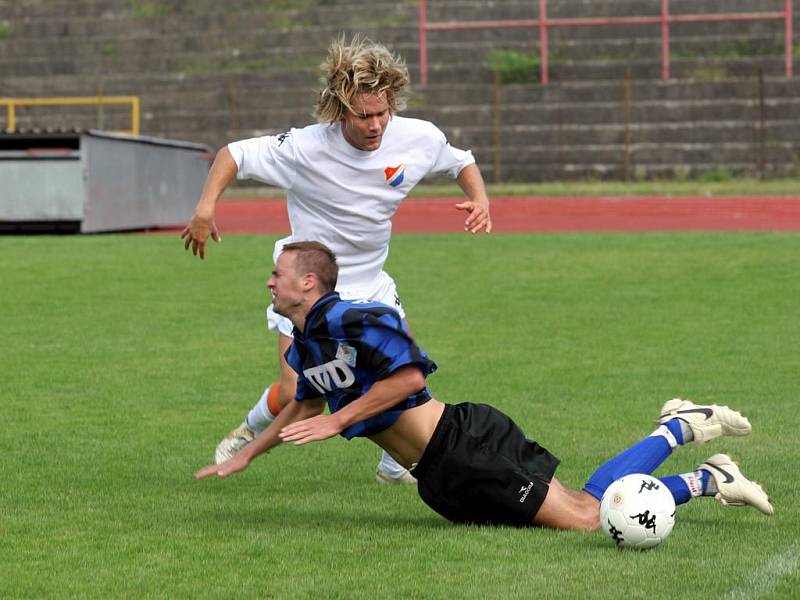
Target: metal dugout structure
{"type": "Point", "coordinates": [93, 181]}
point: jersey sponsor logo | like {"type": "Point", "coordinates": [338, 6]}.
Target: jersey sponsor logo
{"type": "Point", "coordinates": [333, 374]}
{"type": "Point", "coordinates": [394, 175]}
{"type": "Point", "coordinates": [282, 138]}
{"type": "Point", "coordinates": [347, 354]}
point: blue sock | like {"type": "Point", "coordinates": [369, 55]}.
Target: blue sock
{"type": "Point", "coordinates": [678, 488]}
{"type": "Point", "coordinates": [705, 477]}
{"type": "Point", "coordinates": [689, 485]}
{"type": "Point", "coordinates": [674, 426]}
{"type": "Point", "coordinates": [643, 457]}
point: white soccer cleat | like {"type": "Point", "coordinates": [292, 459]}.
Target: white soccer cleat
{"type": "Point", "coordinates": [733, 488]}
{"type": "Point", "coordinates": [233, 443]}
{"type": "Point", "coordinates": [707, 421]}
{"type": "Point", "coordinates": [383, 477]}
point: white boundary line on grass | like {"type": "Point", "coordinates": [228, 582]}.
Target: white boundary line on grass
{"type": "Point", "coordinates": [766, 578]}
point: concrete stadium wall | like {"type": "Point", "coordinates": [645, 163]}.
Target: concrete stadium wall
{"type": "Point", "coordinates": [210, 72]}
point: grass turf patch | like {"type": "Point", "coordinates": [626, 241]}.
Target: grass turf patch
{"type": "Point", "coordinates": [125, 360]}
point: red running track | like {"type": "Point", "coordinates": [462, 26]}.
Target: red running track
{"type": "Point", "coordinates": [514, 214]}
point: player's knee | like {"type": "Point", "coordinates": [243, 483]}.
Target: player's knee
{"type": "Point", "coordinates": [567, 509]}
{"type": "Point", "coordinates": [581, 516]}
{"type": "Point", "coordinates": [286, 391]}
{"type": "Point", "coordinates": [589, 521]}
{"type": "Point", "coordinates": [589, 511]}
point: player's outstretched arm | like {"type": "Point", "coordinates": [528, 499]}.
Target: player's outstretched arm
{"type": "Point", "coordinates": [266, 440]}
{"type": "Point", "coordinates": [383, 395]}
{"type": "Point", "coordinates": [470, 181]}
{"type": "Point", "coordinates": [202, 225]}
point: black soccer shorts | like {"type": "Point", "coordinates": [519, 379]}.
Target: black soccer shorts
{"type": "Point", "coordinates": [480, 468]}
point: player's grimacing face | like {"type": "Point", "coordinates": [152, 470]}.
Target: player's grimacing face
{"type": "Point", "coordinates": [285, 285]}
{"type": "Point", "coordinates": [363, 127]}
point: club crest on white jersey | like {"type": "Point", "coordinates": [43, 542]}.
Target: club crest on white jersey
{"type": "Point", "coordinates": [333, 374]}
{"type": "Point", "coordinates": [394, 175]}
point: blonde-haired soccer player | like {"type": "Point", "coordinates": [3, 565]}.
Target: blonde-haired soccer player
{"type": "Point", "coordinates": [344, 179]}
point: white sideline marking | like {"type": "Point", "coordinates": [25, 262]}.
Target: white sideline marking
{"type": "Point", "coordinates": [766, 578]}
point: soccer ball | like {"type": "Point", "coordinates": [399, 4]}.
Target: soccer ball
{"type": "Point", "coordinates": [637, 511]}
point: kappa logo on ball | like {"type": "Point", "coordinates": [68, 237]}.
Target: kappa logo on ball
{"type": "Point", "coordinates": [394, 175]}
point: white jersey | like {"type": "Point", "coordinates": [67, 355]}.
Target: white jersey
{"type": "Point", "coordinates": [345, 197]}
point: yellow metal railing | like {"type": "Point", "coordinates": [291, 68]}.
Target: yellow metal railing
{"type": "Point", "coordinates": [12, 103]}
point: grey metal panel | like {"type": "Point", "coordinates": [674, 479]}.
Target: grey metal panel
{"type": "Point", "coordinates": [41, 189]}
{"type": "Point", "coordinates": [136, 183]}
{"type": "Point", "coordinates": [146, 139]}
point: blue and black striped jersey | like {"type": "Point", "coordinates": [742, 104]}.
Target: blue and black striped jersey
{"type": "Point", "coordinates": [345, 348]}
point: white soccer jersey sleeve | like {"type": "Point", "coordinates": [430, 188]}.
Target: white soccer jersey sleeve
{"type": "Point", "coordinates": [269, 159]}
{"type": "Point", "coordinates": [450, 160]}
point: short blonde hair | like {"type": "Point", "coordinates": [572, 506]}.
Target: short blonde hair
{"type": "Point", "coordinates": [358, 67]}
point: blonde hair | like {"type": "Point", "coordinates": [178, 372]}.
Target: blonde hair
{"type": "Point", "coordinates": [359, 67]}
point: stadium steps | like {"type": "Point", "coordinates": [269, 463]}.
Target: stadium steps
{"type": "Point", "coordinates": [215, 87]}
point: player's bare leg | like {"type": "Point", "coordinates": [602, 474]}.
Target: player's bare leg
{"type": "Point", "coordinates": [268, 406]}
{"type": "Point", "coordinates": [564, 508]}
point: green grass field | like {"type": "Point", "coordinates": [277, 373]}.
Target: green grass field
{"type": "Point", "coordinates": [124, 360]}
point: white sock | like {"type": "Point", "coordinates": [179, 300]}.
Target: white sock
{"type": "Point", "coordinates": [259, 417]}
{"type": "Point", "coordinates": [676, 431]}
{"type": "Point", "coordinates": [694, 481]}
{"type": "Point", "coordinates": [686, 431]}
{"type": "Point", "coordinates": [664, 432]}
{"type": "Point", "coordinates": [391, 466]}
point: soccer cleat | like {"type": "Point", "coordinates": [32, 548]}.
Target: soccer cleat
{"type": "Point", "coordinates": [707, 421]}
{"type": "Point", "coordinates": [733, 488]}
{"type": "Point", "coordinates": [383, 477]}
{"type": "Point", "coordinates": [233, 443]}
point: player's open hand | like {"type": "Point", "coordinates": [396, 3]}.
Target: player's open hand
{"type": "Point", "coordinates": [197, 232]}
{"type": "Point", "coordinates": [233, 465]}
{"type": "Point", "coordinates": [479, 218]}
{"type": "Point", "coordinates": [314, 429]}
